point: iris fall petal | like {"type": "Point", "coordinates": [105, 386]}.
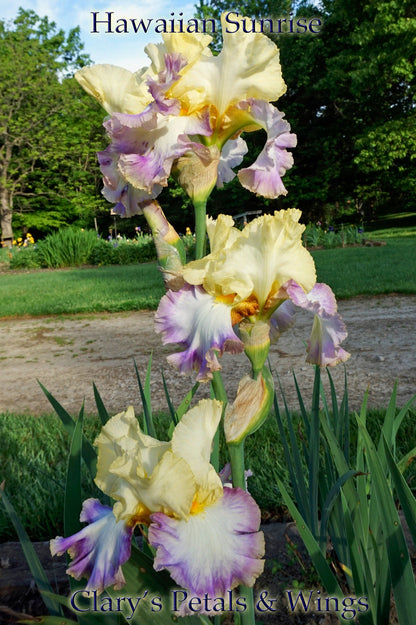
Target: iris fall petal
{"type": "Point", "coordinates": [200, 325]}
{"type": "Point", "coordinates": [214, 550]}
{"type": "Point", "coordinates": [328, 331]}
{"type": "Point", "coordinates": [99, 549]}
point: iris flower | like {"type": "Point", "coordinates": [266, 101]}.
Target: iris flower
{"type": "Point", "coordinates": [205, 535]}
{"type": "Point", "coordinates": [185, 113]}
{"type": "Point", "coordinates": [259, 274]}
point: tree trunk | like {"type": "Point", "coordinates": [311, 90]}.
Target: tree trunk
{"type": "Point", "coordinates": [6, 214]}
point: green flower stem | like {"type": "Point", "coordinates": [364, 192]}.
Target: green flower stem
{"type": "Point", "coordinates": [248, 617]}
{"type": "Point", "coordinates": [200, 208]}
{"type": "Point", "coordinates": [220, 394]}
{"type": "Point", "coordinates": [236, 452]}
{"type": "Point", "coordinates": [218, 388]}
{"type": "Point", "coordinates": [215, 453]}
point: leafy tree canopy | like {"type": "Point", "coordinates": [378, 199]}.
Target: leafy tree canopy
{"type": "Point", "coordinates": [48, 128]}
{"type": "Point", "coordinates": [351, 101]}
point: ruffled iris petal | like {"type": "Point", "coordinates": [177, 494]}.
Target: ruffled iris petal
{"type": "Point", "coordinates": [264, 176]}
{"type": "Point", "coordinates": [214, 550]}
{"type": "Point", "coordinates": [324, 344]}
{"type": "Point", "coordinates": [232, 155]}
{"type": "Point", "coordinates": [328, 331]}
{"type": "Point", "coordinates": [99, 549]}
{"type": "Point", "coordinates": [140, 472]}
{"type": "Point", "coordinates": [192, 441]}
{"type": "Point", "coordinates": [220, 82]}
{"type": "Point", "coordinates": [200, 325]}
{"type": "Point", "coordinates": [255, 262]}
{"type": "Point", "coordinates": [147, 144]}
{"type": "Point", "coordinates": [128, 200]}
{"type": "Point", "coordinates": [282, 319]}
{"type": "Point", "coordinates": [173, 62]}
{"type": "Point", "coordinates": [116, 89]}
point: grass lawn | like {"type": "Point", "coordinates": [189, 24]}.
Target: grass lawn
{"type": "Point", "coordinates": [113, 288]}
{"type": "Point", "coordinates": [351, 271]}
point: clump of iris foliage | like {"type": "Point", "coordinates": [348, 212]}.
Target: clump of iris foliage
{"type": "Point", "coordinates": [328, 454]}
{"type": "Point", "coordinates": [317, 236]}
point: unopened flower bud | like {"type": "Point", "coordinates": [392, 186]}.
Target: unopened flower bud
{"type": "Point", "coordinates": [197, 172]}
{"type": "Point", "coordinates": [256, 339]}
{"type": "Point", "coordinates": [169, 246]}
{"type": "Point", "coordinates": [250, 408]}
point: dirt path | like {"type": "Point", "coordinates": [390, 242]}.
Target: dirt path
{"type": "Point", "coordinates": [68, 353]}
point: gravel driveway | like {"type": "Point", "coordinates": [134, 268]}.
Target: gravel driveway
{"type": "Point", "coordinates": [68, 354]}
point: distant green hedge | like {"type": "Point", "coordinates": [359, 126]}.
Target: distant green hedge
{"type": "Point", "coordinates": [70, 247]}
{"type": "Point", "coordinates": [123, 252]}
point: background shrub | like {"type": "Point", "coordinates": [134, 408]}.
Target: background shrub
{"type": "Point", "coordinates": [316, 236]}
{"type": "Point", "coordinates": [68, 247]}
{"type": "Point", "coordinates": [103, 253]}
{"type": "Point", "coordinates": [24, 258]}
{"type": "Point", "coordinates": [123, 251]}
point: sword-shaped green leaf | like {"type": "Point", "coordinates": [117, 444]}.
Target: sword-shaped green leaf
{"type": "Point", "coordinates": [148, 427]}
{"type": "Point", "coordinates": [406, 497]}
{"type": "Point", "coordinates": [88, 452]}
{"type": "Point", "coordinates": [102, 410]}
{"type": "Point", "coordinates": [39, 575]}
{"type": "Point", "coordinates": [401, 573]}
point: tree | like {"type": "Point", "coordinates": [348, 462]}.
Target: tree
{"type": "Point", "coordinates": [366, 81]}
{"type": "Point", "coordinates": [44, 153]}
{"type": "Point", "coordinates": [351, 100]}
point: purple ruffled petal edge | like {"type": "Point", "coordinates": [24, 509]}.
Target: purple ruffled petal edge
{"type": "Point", "coordinates": [328, 330]}
{"type": "Point", "coordinates": [264, 176]}
{"type": "Point", "coordinates": [212, 551]}
{"type": "Point", "coordinates": [99, 549]}
{"type": "Point", "coordinates": [191, 318]}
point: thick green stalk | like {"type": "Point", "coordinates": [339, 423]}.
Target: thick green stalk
{"type": "Point", "coordinates": [220, 394]}
{"type": "Point", "coordinates": [236, 452]}
{"type": "Point", "coordinates": [200, 208]}
{"type": "Point", "coordinates": [218, 388]}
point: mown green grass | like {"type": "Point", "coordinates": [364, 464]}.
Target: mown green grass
{"type": "Point", "coordinates": [393, 232]}
{"type": "Point", "coordinates": [110, 288]}
{"type": "Point", "coordinates": [349, 271]}
{"type": "Point", "coordinates": [33, 461]}
{"type": "Point", "coordinates": [352, 271]}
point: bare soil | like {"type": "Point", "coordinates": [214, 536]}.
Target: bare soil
{"type": "Point", "coordinates": [68, 354]}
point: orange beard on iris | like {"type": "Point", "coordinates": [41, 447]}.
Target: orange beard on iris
{"type": "Point", "coordinates": [247, 308]}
